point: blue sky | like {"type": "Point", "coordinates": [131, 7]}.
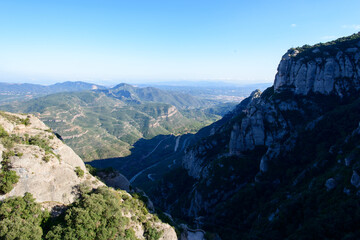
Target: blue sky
{"type": "Point", "coordinates": [137, 41]}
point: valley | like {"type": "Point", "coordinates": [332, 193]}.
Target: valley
{"type": "Point", "coordinates": [114, 119]}
{"type": "Point", "coordinates": [179, 120]}
{"type": "Point", "coordinates": [292, 147]}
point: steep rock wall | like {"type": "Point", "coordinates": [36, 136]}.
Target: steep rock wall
{"type": "Point", "coordinates": [336, 72]}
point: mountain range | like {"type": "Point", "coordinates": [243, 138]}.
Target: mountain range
{"type": "Point", "coordinates": [10, 92]}
{"type": "Point", "coordinates": [114, 119]}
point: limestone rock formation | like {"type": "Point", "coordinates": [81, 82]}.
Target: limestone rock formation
{"type": "Point", "coordinates": [50, 177]}
{"type": "Point", "coordinates": [271, 120]}
{"type": "Point", "coordinates": [330, 184]}
{"type": "Point", "coordinates": [327, 72]}
{"type": "Point", "coordinates": [310, 81]}
{"type": "Point", "coordinates": [53, 173]}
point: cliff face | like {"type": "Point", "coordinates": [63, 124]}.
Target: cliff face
{"type": "Point", "coordinates": [49, 176]}
{"type": "Point", "coordinates": [328, 70]}
{"type": "Point", "coordinates": [216, 139]}
{"type": "Point", "coordinates": [282, 154]}
{"type": "Point", "coordinates": [333, 69]}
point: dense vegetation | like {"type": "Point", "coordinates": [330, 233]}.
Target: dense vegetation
{"type": "Point", "coordinates": [324, 49]}
{"type": "Point", "coordinates": [21, 218]}
{"type": "Point", "coordinates": [8, 177]}
{"type": "Point", "coordinates": [98, 214]}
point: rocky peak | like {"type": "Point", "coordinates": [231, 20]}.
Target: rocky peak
{"type": "Point", "coordinates": [255, 94]}
{"type": "Point", "coordinates": [330, 68]}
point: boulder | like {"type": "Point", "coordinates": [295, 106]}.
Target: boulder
{"type": "Point", "coordinates": [330, 184]}
{"type": "Point", "coordinates": [355, 179]}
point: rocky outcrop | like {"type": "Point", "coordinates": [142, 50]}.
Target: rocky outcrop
{"type": "Point", "coordinates": [328, 70]}
{"type": "Point", "coordinates": [261, 125]}
{"type": "Point", "coordinates": [50, 177]}
{"type": "Point", "coordinates": [114, 179]}
{"type": "Point", "coordinates": [284, 145]}
{"type": "Point", "coordinates": [193, 163]}
{"type": "Point", "coordinates": [53, 173]}
{"type": "Point", "coordinates": [355, 179]}
{"type": "Point", "coordinates": [194, 157]}
{"type": "Point", "coordinates": [330, 184]}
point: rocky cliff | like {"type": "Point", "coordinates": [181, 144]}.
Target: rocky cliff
{"type": "Point", "coordinates": [283, 157]}
{"type": "Point", "coordinates": [46, 167]}
{"type": "Point", "coordinates": [322, 71]}
{"type": "Point", "coordinates": [34, 160]}
{"type": "Point", "coordinates": [331, 68]}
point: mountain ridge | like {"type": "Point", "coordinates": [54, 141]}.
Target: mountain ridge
{"type": "Point", "coordinates": [112, 123]}
{"type": "Point", "coordinates": [288, 147]}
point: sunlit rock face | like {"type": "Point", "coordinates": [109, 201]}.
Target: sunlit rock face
{"type": "Point", "coordinates": [336, 72]}
{"type": "Point", "coordinates": [49, 177]}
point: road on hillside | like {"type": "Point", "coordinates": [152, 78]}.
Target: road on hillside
{"type": "Point", "coordinates": [139, 173]}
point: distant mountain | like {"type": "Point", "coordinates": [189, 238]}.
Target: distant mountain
{"type": "Point", "coordinates": [129, 93]}
{"type": "Point", "coordinates": [112, 120]}
{"type": "Point", "coordinates": [73, 87]}
{"type": "Point", "coordinates": [24, 91]}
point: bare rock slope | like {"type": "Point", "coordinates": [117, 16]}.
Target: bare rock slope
{"type": "Point", "coordinates": [46, 167]}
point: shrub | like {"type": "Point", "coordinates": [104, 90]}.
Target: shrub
{"type": "Point", "coordinates": [130, 234]}
{"type": "Point", "coordinates": [151, 233]}
{"type": "Point", "coordinates": [42, 143]}
{"type": "Point", "coordinates": [19, 154]}
{"type": "Point", "coordinates": [26, 121]}
{"type": "Point", "coordinates": [91, 169]}
{"type": "Point", "coordinates": [46, 158]}
{"type": "Point", "coordinates": [79, 172]}
{"type": "Point", "coordinates": [21, 218]}
{"type": "Point", "coordinates": [96, 215]}
{"type": "Point", "coordinates": [3, 133]}
{"type": "Point", "coordinates": [7, 177]}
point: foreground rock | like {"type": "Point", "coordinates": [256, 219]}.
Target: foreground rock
{"type": "Point", "coordinates": [56, 176]}
{"type": "Point", "coordinates": [49, 177]}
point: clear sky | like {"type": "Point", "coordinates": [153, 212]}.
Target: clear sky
{"type": "Point", "coordinates": [107, 41]}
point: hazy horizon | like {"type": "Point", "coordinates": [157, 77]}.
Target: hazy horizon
{"type": "Point", "coordinates": [175, 83]}
{"type": "Point", "coordinates": [239, 42]}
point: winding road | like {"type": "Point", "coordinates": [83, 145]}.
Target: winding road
{"type": "Point", "coordinates": [136, 175]}
{"type": "Point", "coordinates": [139, 173]}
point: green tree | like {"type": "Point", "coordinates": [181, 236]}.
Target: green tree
{"type": "Point", "coordinates": [21, 218]}
{"type": "Point", "coordinates": [97, 215]}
